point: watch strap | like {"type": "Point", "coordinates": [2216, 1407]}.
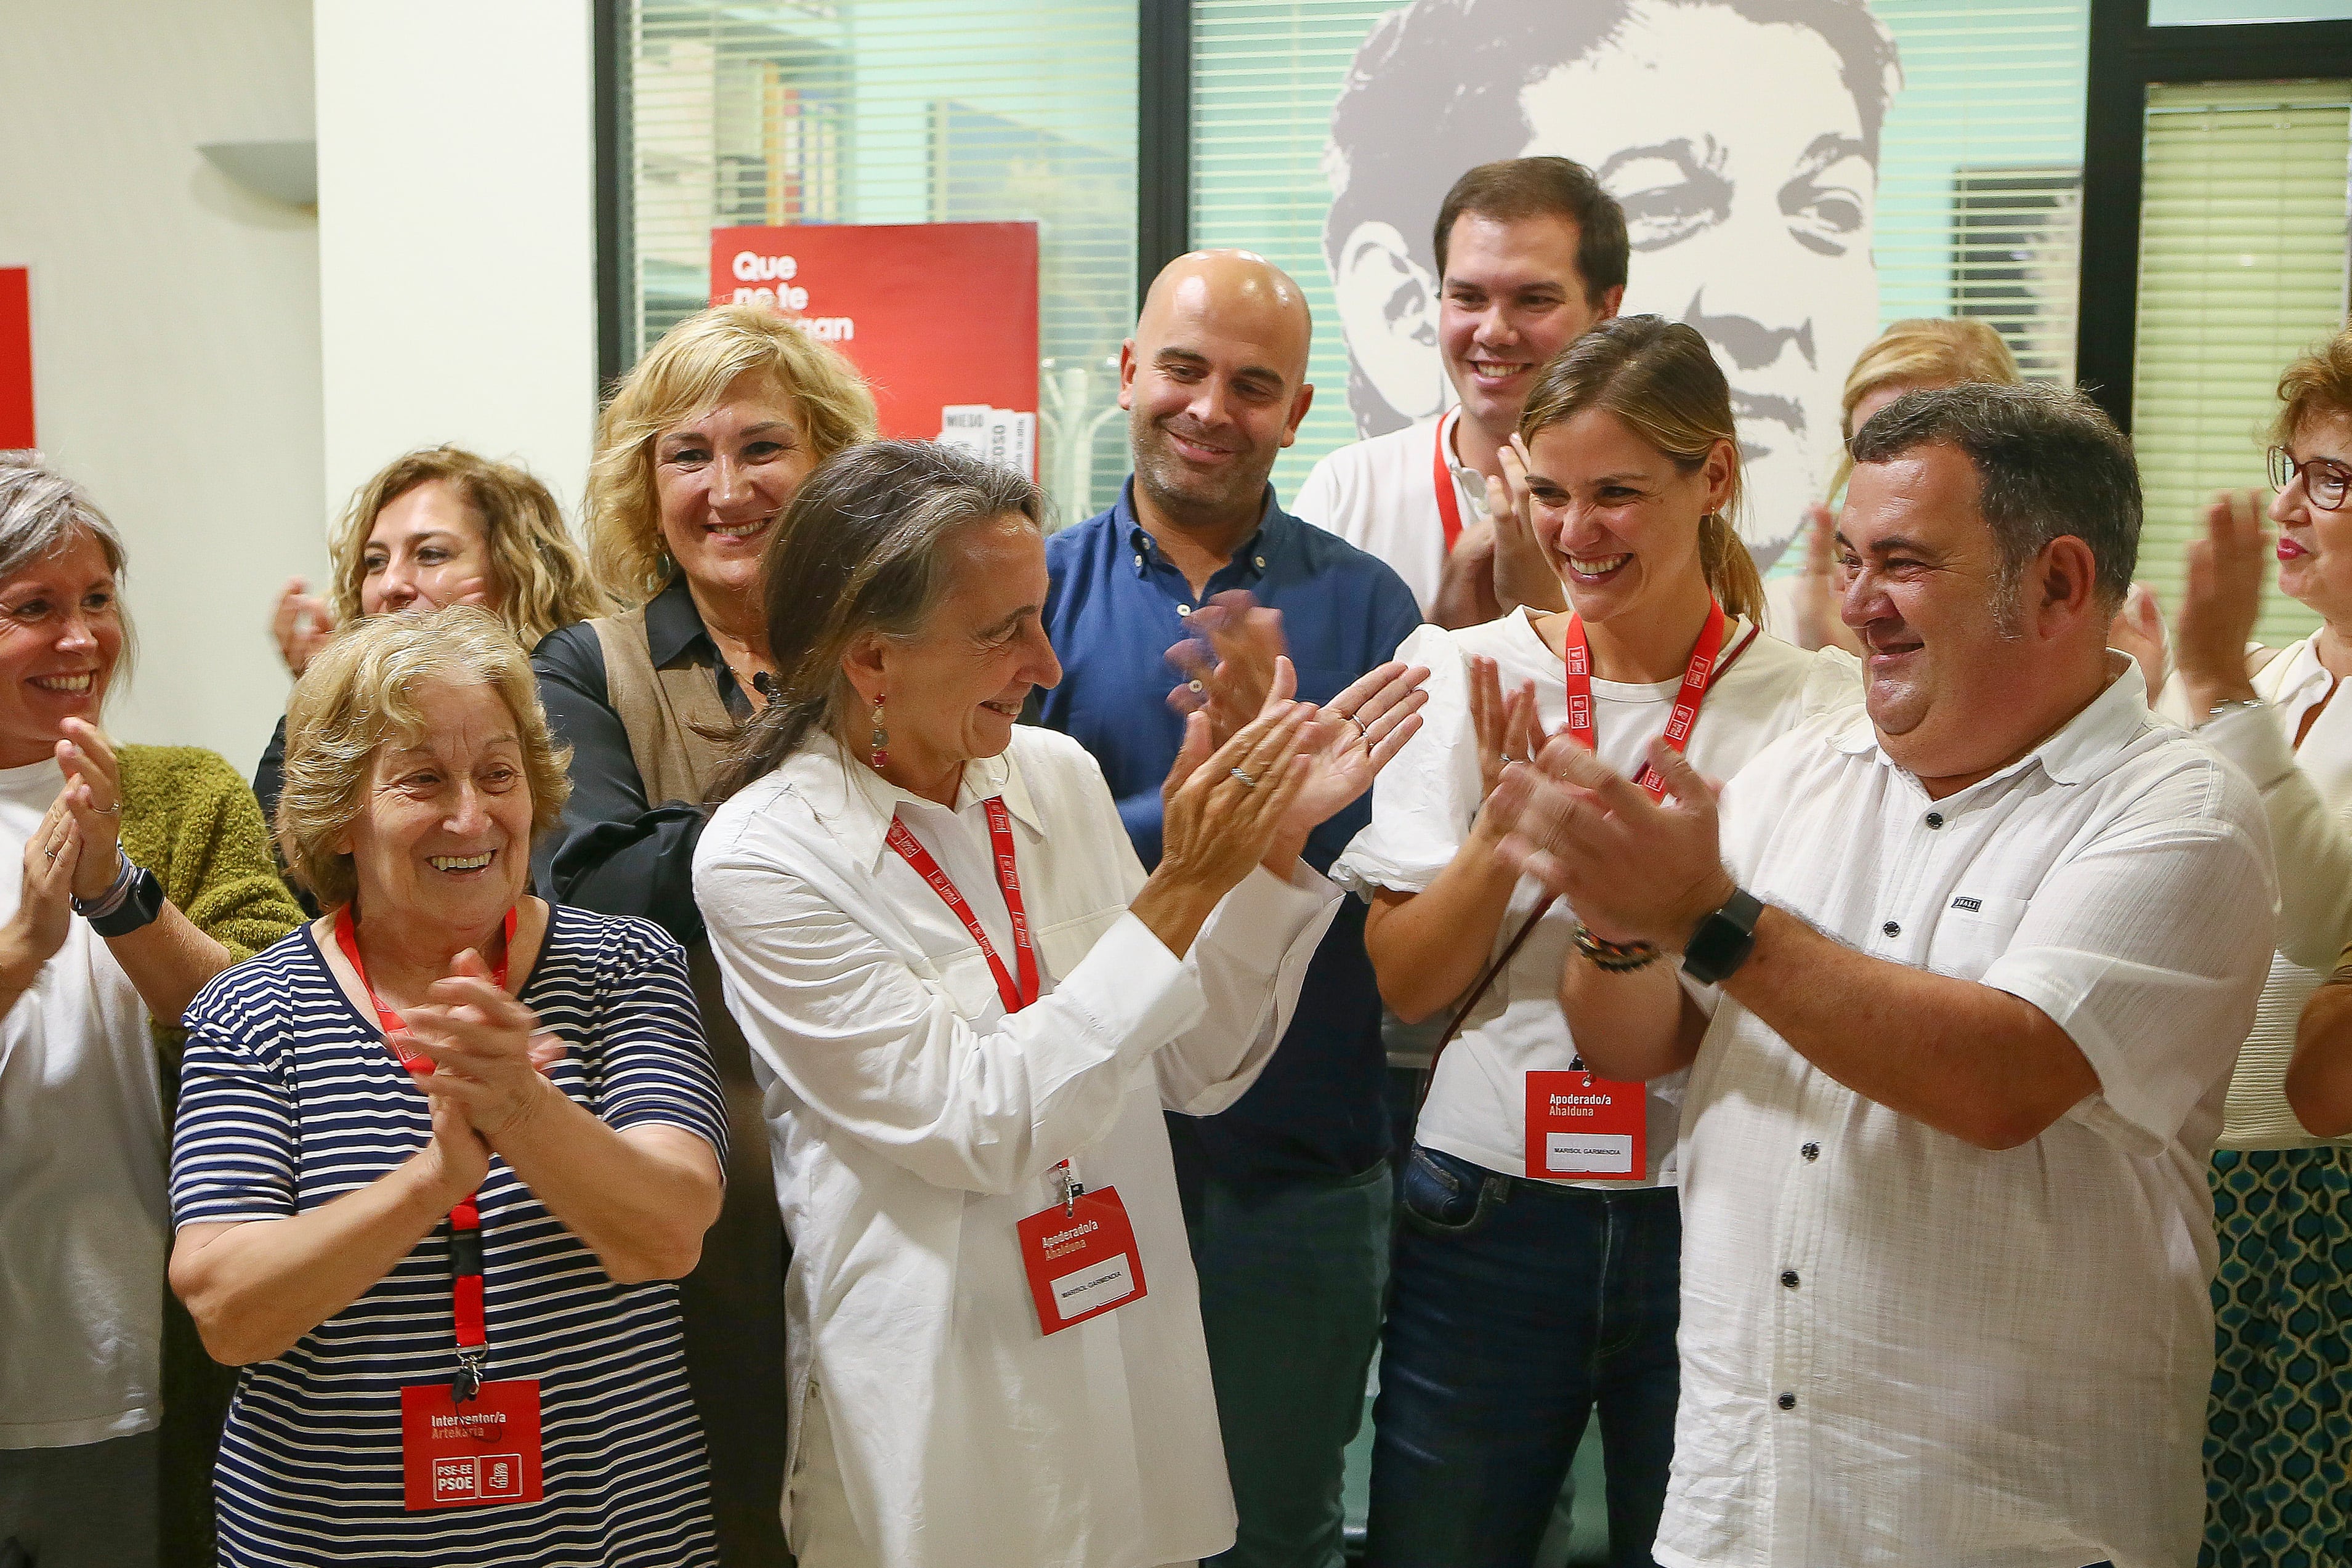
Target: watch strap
{"type": "Point", "coordinates": [139, 908]}
{"type": "Point", "coordinates": [1724, 939]}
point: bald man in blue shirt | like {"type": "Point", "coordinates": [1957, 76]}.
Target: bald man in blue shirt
{"type": "Point", "coordinates": [1288, 1193]}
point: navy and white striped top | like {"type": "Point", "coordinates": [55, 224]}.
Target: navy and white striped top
{"type": "Point", "coordinates": [289, 1100]}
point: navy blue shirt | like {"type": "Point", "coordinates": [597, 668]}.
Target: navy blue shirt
{"type": "Point", "coordinates": [1114, 609]}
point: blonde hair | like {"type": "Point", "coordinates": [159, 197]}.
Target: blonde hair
{"type": "Point", "coordinates": [684, 375]}
{"type": "Point", "coordinates": [1660, 378]}
{"type": "Point", "coordinates": [2315, 386]}
{"type": "Point", "coordinates": [1923, 352]}
{"type": "Point", "coordinates": [539, 580]}
{"type": "Point", "coordinates": [361, 693]}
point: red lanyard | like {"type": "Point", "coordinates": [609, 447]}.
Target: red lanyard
{"type": "Point", "coordinates": [1024, 952]}
{"type": "Point", "coordinates": [1008, 879]}
{"type": "Point", "coordinates": [465, 1219]}
{"type": "Point", "coordinates": [1577, 655]}
{"type": "Point", "coordinates": [1449, 490]}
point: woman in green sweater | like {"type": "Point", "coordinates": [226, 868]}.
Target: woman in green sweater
{"type": "Point", "coordinates": [146, 871]}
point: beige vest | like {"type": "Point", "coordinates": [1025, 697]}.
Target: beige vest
{"type": "Point", "coordinates": [732, 1306]}
{"type": "Point", "coordinates": [677, 726]}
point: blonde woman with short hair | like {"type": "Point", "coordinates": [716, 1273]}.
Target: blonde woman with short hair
{"type": "Point", "coordinates": [1534, 1284]}
{"type": "Point", "coordinates": [439, 1153]}
{"type": "Point", "coordinates": [437, 526]}
{"type": "Point", "coordinates": [702, 448]}
{"type": "Point", "coordinates": [1917, 355]}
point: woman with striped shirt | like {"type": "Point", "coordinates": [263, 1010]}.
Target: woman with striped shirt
{"type": "Point", "coordinates": [438, 1153]}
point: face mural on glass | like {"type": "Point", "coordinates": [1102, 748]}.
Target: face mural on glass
{"type": "Point", "coordinates": [1741, 138]}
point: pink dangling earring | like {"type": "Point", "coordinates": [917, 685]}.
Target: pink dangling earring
{"type": "Point", "coordinates": [880, 738]}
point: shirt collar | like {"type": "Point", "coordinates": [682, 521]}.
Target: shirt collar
{"type": "Point", "coordinates": [858, 804]}
{"type": "Point", "coordinates": [1254, 555]}
{"type": "Point", "coordinates": [2077, 752]}
{"type": "Point", "coordinates": [2302, 679]}
{"type": "Point", "coordinates": [674, 627]}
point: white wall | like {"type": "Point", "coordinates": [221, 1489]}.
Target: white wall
{"type": "Point", "coordinates": [457, 239]}
{"type": "Point", "coordinates": [175, 327]}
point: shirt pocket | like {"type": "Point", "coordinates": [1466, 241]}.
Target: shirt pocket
{"type": "Point", "coordinates": [970, 983]}
{"type": "Point", "coordinates": [1972, 931]}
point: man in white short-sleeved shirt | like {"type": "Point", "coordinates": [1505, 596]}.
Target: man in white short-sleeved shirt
{"type": "Point", "coordinates": [1958, 1051]}
{"type": "Point", "coordinates": [1530, 256]}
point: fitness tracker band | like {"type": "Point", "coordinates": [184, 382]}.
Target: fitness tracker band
{"type": "Point", "coordinates": [1724, 939]}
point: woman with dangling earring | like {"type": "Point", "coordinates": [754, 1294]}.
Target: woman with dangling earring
{"type": "Point", "coordinates": [971, 1008]}
{"type": "Point", "coordinates": [1535, 1278]}
{"type": "Point", "coordinates": [701, 451]}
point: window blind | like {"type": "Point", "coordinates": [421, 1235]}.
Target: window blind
{"type": "Point", "coordinates": [1977, 207]}
{"type": "Point", "coordinates": [876, 112]}
{"type": "Point", "coordinates": [2241, 267]}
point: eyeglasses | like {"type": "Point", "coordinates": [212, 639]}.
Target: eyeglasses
{"type": "Point", "coordinates": [2324, 482]}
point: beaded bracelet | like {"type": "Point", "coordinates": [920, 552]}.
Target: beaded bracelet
{"type": "Point", "coordinates": [1615, 957]}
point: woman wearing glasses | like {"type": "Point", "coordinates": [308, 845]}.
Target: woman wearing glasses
{"type": "Point", "coordinates": [2276, 1443]}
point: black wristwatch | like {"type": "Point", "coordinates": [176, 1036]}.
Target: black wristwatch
{"type": "Point", "coordinates": [142, 903]}
{"type": "Point", "coordinates": [1724, 939]}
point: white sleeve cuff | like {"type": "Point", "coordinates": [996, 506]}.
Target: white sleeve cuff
{"type": "Point", "coordinates": [1138, 994]}
{"type": "Point", "coordinates": [2251, 740]}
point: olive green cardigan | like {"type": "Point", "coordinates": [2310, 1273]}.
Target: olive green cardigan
{"type": "Point", "coordinates": [190, 819]}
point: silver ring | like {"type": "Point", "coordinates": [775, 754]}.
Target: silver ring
{"type": "Point", "coordinates": [50, 853]}
{"type": "Point", "coordinates": [1358, 723]}
{"type": "Point", "coordinates": [1246, 781]}
{"type": "Point", "coordinates": [114, 810]}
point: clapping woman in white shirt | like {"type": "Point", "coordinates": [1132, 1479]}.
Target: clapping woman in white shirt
{"type": "Point", "coordinates": [1535, 1276]}
{"type": "Point", "coordinates": [2276, 1445]}
{"type": "Point", "coordinates": [968, 1007]}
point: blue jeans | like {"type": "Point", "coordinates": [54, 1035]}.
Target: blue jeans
{"type": "Point", "coordinates": [1291, 1279]}
{"type": "Point", "coordinates": [1516, 1307]}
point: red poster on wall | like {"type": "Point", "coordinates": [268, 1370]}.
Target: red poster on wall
{"type": "Point", "coordinates": [941, 319]}
{"type": "Point", "coordinates": [15, 359]}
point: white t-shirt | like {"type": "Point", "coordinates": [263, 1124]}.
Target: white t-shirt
{"type": "Point", "coordinates": [1421, 811]}
{"type": "Point", "coordinates": [1380, 496]}
{"type": "Point", "coordinates": [84, 1227]}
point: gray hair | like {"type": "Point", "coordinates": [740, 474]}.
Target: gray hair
{"type": "Point", "coordinates": [2049, 464]}
{"type": "Point", "coordinates": [862, 548]}
{"type": "Point", "coordinates": [42, 512]}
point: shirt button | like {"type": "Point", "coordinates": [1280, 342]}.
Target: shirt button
{"type": "Point", "coordinates": [1260, 562]}
{"type": "Point", "coordinates": [1788, 1278]}
{"type": "Point", "coordinates": [1787, 1402]}
{"type": "Point", "coordinates": [1812, 1152]}
{"type": "Point", "coordinates": [1183, 609]}
{"type": "Point", "coordinates": [1891, 929]}
{"type": "Point", "coordinates": [1934, 819]}
{"type": "Point", "coordinates": [1138, 559]}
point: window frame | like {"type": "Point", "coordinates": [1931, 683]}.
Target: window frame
{"type": "Point", "coordinates": [2127, 56]}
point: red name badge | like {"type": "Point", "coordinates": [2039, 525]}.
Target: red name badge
{"type": "Point", "coordinates": [1081, 1260]}
{"type": "Point", "coordinates": [1583, 1128]}
{"type": "Point", "coordinates": [478, 1456]}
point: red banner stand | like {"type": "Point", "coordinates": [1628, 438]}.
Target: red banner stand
{"type": "Point", "coordinates": [940, 318]}
{"type": "Point", "coordinates": [16, 358]}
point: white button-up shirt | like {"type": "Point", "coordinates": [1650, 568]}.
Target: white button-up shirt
{"type": "Point", "coordinates": [2304, 789]}
{"type": "Point", "coordinates": [914, 1124]}
{"type": "Point", "coordinates": [1896, 1347]}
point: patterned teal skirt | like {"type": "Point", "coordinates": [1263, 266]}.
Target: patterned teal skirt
{"type": "Point", "coordinates": [2279, 1427]}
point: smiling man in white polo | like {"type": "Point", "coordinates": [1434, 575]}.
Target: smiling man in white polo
{"type": "Point", "coordinates": [1960, 1010]}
